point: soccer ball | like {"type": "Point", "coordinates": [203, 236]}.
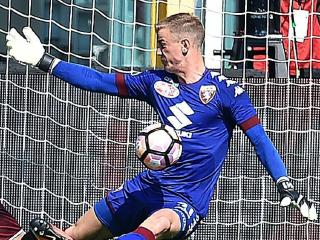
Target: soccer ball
{"type": "Point", "coordinates": [158, 146]}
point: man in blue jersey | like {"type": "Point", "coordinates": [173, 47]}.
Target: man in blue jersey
{"type": "Point", "coordinates": [203, 106]}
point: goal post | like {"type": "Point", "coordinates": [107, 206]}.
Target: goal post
{"type": "Point", "coordinates": [62, 148]}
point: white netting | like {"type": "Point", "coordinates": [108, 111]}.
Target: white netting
{"type": "Point", "coordinates": [62, 148]}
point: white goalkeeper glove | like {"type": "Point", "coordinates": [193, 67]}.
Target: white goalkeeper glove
{"type": "Point", "coordinates": [28, 50]}
{"type": "Point", "coordinates": [289, 196]}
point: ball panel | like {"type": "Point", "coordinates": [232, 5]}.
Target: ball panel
{"type": "Point", "coordinates": [175, 152]}
{"type": "Point", "coordinates": [140, 146]}
{"type": "Point", "coordinates": [172, 132]}
{"type": "Point", "coordinates": [159, 141]}
{"type": "Point", "coordinates": [154, 162]}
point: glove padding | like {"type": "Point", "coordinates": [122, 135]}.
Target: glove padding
{"type": "Point", "coordinates": [28, 50]}
{"type": "Point", "coordinates": [289, 196]}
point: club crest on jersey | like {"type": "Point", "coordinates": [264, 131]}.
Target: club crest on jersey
{"type": "Point", "coordinates": [206, 93]}
{"type": "Point", "coordinates": [166, 89]}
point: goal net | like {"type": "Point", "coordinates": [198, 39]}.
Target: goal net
{"type": "Point", "coordinates": [62, 148]}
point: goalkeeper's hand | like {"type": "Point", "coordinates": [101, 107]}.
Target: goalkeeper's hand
{"type": "Point", "coordinates": [27, 49]}
{"type": "Point", "coordinates": [289, 196]}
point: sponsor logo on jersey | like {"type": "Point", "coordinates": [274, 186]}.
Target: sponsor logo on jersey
{"type": "Point", "coordinates": [166, 89]}
{"type": "Point", "coordinates": [206, 93]}
{"type": "Point", "coordinates": [184, 134]}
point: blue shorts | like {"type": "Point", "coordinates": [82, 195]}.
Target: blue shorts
{"type": "Point", "coordinates": [123, 210]}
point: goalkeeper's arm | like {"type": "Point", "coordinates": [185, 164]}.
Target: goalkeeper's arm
{"type": "Point", "coordinates": [29, 50]}
{"type": "Point", "coordinates": [270, 158]}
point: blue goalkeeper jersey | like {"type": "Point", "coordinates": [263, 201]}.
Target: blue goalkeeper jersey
{"type": "Point", "coordinates": [203, 113]}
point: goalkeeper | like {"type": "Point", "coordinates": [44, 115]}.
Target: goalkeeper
{"type": "Point", "coordinates": [202, 105]}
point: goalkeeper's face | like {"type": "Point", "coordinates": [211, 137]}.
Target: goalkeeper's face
{"type": "Point", "coordinates": [170, 51]}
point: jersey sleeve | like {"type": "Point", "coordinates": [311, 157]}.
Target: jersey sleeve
{"type": "Point", "coordinates": [237, 104]}
{"type": "Point", "coordinates": [118, 84]}
{"type": "Point", "coordinates": [266, 152]}
{"type": "Point", "coordinates": [86, 78]}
